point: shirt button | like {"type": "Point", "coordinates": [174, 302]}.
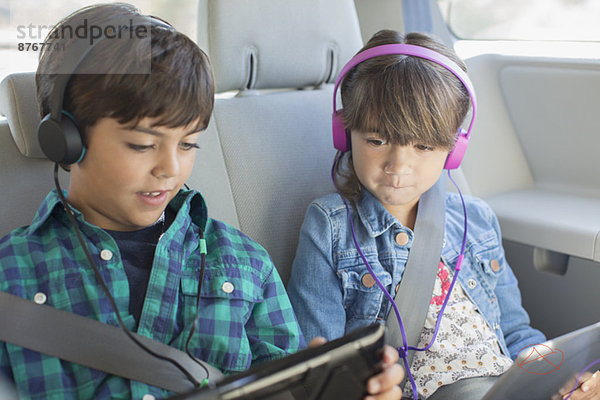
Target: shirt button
{"type": "Point", "coordinates": [228, 287]}
{"type": "Point", "coordinates": [148, 397]}
{"type": "Point", "coordinates": [471, 283]}
{"type": "Point", "coordinates": [402, 238]}
{"type": "Point", "coordinates": [40, 298]}
{"type": "Point", "coordinates": [368, 281]}
{"type": "Point", "coordinates": [496, 326]}
{"type": "Point", "coordinates": [495, 265]}
{"type": "Point", "coordinates": [106, 255]}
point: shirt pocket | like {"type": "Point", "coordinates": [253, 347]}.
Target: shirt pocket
{"type": "Point", "coordinates": [226, 305]}
{"type": "Point", "coordinates": [488, 260]}
{"type": "Point", "coordinates": [362, 297]}
{"type": "Point", "coordinates": [222, 292]}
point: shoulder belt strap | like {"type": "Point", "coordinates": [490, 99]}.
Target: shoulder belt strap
{"type": "Point", "coordinates": [416, 287]}
{"type": "Point", "coordinates": [91, 343]}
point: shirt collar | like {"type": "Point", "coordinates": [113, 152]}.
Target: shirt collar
{"type": "Point", "coordinates": [46, 209]}
{"type": "Point", "coordinates": [373, 214]}
{"type": "Point", "coordinates": [190, 203]}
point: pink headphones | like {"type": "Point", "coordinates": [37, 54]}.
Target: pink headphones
{"type": "Point", "coordinates": [340, 135]}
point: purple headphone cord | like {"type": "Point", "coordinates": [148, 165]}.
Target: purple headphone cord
{"type": "Point", "coordinates": [590, 365]}
{"type": "Point", "coordinates": [402, 351]}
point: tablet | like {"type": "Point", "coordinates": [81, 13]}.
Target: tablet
{"type": "Point", "coordinates": [539, 372]}
{"type": "Point", "coordinates": [338, 369]}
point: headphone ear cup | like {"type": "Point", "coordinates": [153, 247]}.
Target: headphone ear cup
{"type": "Point", "coordinates": [60, 140]}
{"type": "Point", "coordinates": [457, 154]}
{"type": "Point", "coordinates": [340, 136]}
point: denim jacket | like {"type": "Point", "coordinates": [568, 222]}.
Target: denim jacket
{"type": "Point", "coordinates": [326, 286]}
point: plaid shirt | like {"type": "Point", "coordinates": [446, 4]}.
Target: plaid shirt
{"type": "Point", "coordinates": [245, 314]}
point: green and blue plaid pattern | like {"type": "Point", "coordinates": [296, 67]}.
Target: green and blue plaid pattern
{"type": "Point", "coordinates": [245, 315]}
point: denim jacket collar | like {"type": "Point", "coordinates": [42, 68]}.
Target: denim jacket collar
{"type": "Point", "coordinates": [373, 215]}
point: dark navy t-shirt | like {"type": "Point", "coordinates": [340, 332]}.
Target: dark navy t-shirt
{"type": "Point", "coordinates": [137, 251]}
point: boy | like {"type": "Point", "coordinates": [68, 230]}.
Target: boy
{"type": "Point", "coordinates": [142, 233]}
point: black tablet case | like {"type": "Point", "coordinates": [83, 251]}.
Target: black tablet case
{"type": "Point", "coordinates": [336, 370]}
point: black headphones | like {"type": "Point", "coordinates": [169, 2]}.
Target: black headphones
{"type": "Point", "coordinates": [58, 133]}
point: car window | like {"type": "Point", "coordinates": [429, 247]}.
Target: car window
{"type": "Point", "coordinates": [571, 20]}
{"type": "Point", "coordinates": [25, 23]}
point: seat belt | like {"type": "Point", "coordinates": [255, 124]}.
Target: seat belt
{"type": "Point", "coordinates": [416, 287]}
{"type": "Point", "coordinates": [93, 344]}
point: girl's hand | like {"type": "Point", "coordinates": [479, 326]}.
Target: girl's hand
{"type": "Point", "coordinates": [383, 386]}
{"type": "Point", "coordinates": [589, 388]}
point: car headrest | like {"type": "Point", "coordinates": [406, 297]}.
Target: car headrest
{"type": "Point", "coordinates": [269, 44]}
{"type": "Point", "coordinates": [19, 105]}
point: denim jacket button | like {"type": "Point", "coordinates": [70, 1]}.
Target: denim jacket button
{"type": "Point", "coordinates": [402, 238]}
{"type": "Point", "coordinates": [471, 283]}
{"type": "Point", "coordinates": [495, 265]}
{"type": "Point", "coordinates": [367, 280]}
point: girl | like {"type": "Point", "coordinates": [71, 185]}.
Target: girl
{"type": "Point", "coordinates": [402, 114]}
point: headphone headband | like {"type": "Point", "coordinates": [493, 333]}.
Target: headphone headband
{"type": "Point", "coordinates": [339, 134]}
{"type": "Point", "coordinates": [60, 138]}
{"type": "Point", "coordinates": [79, 50]}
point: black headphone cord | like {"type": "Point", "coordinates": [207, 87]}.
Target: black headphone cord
{"type": "Point", "coordinates": [71, 217]}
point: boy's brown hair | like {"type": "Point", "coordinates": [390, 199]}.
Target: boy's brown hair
{"type": "Point", "coordinates": [405, 99]}
{"type": "Point", "coordinates": [177, 91]}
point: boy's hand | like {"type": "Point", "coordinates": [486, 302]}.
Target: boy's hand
{"type": "Point", "coordinates": [589, 388]}
{"type": "Point", "coordinates": [383, 386]}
